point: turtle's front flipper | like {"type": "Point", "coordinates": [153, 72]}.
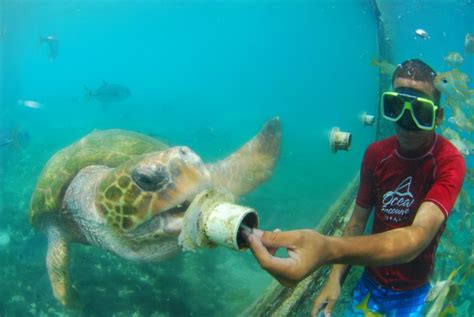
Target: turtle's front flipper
{"type": "Point", "coordinates": [252, 164]}
{"type": "Point", "coordinates": [57, 261]}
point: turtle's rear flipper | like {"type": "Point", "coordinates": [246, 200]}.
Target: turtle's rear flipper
{"type": "Point", "coordinates": [57, 261]}
{"type": "Point", "coordinates": [252, 164]}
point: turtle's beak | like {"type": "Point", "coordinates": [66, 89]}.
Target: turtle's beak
{"type": "Point", "coordinates": [173, 218]}
{"type": "Point", "coordinates": [174, 224]}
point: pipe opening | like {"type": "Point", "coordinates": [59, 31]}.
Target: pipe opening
{"type": "Point", "coordinates": [251, 221]}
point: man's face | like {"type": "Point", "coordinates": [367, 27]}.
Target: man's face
{"type": "Point", "coordinates": [415, 140]}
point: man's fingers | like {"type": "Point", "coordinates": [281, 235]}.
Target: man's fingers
{"type": "Point", "coordinates": [260, 233]}
{"type": "Point", "coordinates": [258, 249]}
{"type": "Point", "coordinates": [319, 304]}
{"type": "Point", "coordinates": [275, 239]}
{"type": "Point", "coordinates": [329, 307]}
{"type": "Point", "coordinates": [274, 250]}
{"type": "Point", "coordinates": [276, 266]}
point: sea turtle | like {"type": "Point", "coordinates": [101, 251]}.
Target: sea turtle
{"type": "Point", "coordinates": [126, 192]}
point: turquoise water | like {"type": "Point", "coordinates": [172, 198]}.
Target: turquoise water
{"type": "Point", "coordinates": [206, 74]}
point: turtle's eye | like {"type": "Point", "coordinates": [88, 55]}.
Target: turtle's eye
{"type": "Point", "coordinates": [150, 178]}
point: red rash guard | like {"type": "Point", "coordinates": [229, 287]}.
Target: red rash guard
{"type": "Point", "coordinates": [396, 186]}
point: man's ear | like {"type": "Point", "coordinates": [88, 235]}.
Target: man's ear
{"type": "Point", "coordinates": [439, 116]}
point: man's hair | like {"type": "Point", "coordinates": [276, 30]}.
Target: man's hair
{"type": "Point", "coordinates": [417, 70]}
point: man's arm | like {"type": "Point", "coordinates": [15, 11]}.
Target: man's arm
{"type": "Point", "coordinates": [308, 250]}
{"type": "Point", "coordinates": [391, 247]}
{"type": "Point", "coordinates": [355, 227]}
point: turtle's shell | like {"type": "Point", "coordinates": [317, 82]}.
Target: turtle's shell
{"type": "Point", "coordinates": [109, 148]}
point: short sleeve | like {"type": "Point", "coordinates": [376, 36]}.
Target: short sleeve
{"type": "Point", "coordinates": [366, 194]}
{"type": "Point", "coordinates": [447, 183]}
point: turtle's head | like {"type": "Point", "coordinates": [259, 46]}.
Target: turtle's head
{"type": "Point", "coordinates": [146, 197]}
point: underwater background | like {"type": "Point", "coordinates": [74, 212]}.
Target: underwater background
{"type": "Point", "coordinates": [208, 75]}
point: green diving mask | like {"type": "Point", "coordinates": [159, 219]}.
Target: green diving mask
{"type": "Point", "coordinates": [395, 104]}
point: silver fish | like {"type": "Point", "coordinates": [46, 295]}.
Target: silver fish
{"type": "Point", "coordinates": [422, 34]}
{"type": "Point", "coordinates": [29, 104]}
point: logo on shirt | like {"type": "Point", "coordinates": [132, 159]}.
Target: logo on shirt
{"type": "Point", "coordinates": [396, 204]}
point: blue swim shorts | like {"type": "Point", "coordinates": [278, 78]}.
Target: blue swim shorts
{"type": "Point", "coordinates": [385, 301]}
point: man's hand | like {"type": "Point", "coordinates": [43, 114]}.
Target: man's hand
{"type": "Point", "coordinates": [307, 251]}
{"type": "Point", "coordinates": [327, 296]}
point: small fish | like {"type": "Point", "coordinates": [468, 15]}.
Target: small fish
{"type": "Point", "coordinates": [454, 59]}
{"type": "Point", "coordinates": [12, 137]}
{"type": "Point", "coordinates": [453, 84]}
{"type": "Point", "coordinates": [29, 104]}
{"type": "Point", "coordinates": [469, 43]}
{"type": "Point", "coordinates": [470, 180]}
{"type": "Point", "coordinates": [6, 142]}
{"type": "Point", "coordinates": [436, 289]}
{"type": "Point", "coordinates": [422, 34]}
{"type": "Point", "coordinates": [53, 46]}
{"type": "Point", "coordinates": [469, 144]}
{"type": "Point", "coordinates": [461, 121]}
{"type": "Point", "coordinates": [470, 101]}
{"type": "Point", "coordinates": [108, 93]}
{"type": "Point", "coordinates": [449, 310]}
{"type": "Point", "coordinates": [462, 148]}
{"type": "Point", "coordinates": [450, 133]}
{"type": "Point", "coordinates": [364, 307]}
{"type": "Point", "coordinates": [386, 68]}
{"type": "Point", "coordinates": [440, 292]}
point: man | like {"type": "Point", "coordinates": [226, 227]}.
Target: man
{"type": "Point", "coordinates": [411, 180]}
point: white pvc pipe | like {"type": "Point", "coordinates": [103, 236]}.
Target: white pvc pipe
{"type": "Point", "coordinates": [213, 219]}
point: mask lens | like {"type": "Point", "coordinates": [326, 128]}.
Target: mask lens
{"type": "Point", "coordinates": [424, 112]}
{"type": "Point", "coordinates": [392, 106]}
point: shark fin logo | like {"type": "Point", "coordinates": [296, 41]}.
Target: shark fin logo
{"type": "Point", "coordinates": [403, 189]}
